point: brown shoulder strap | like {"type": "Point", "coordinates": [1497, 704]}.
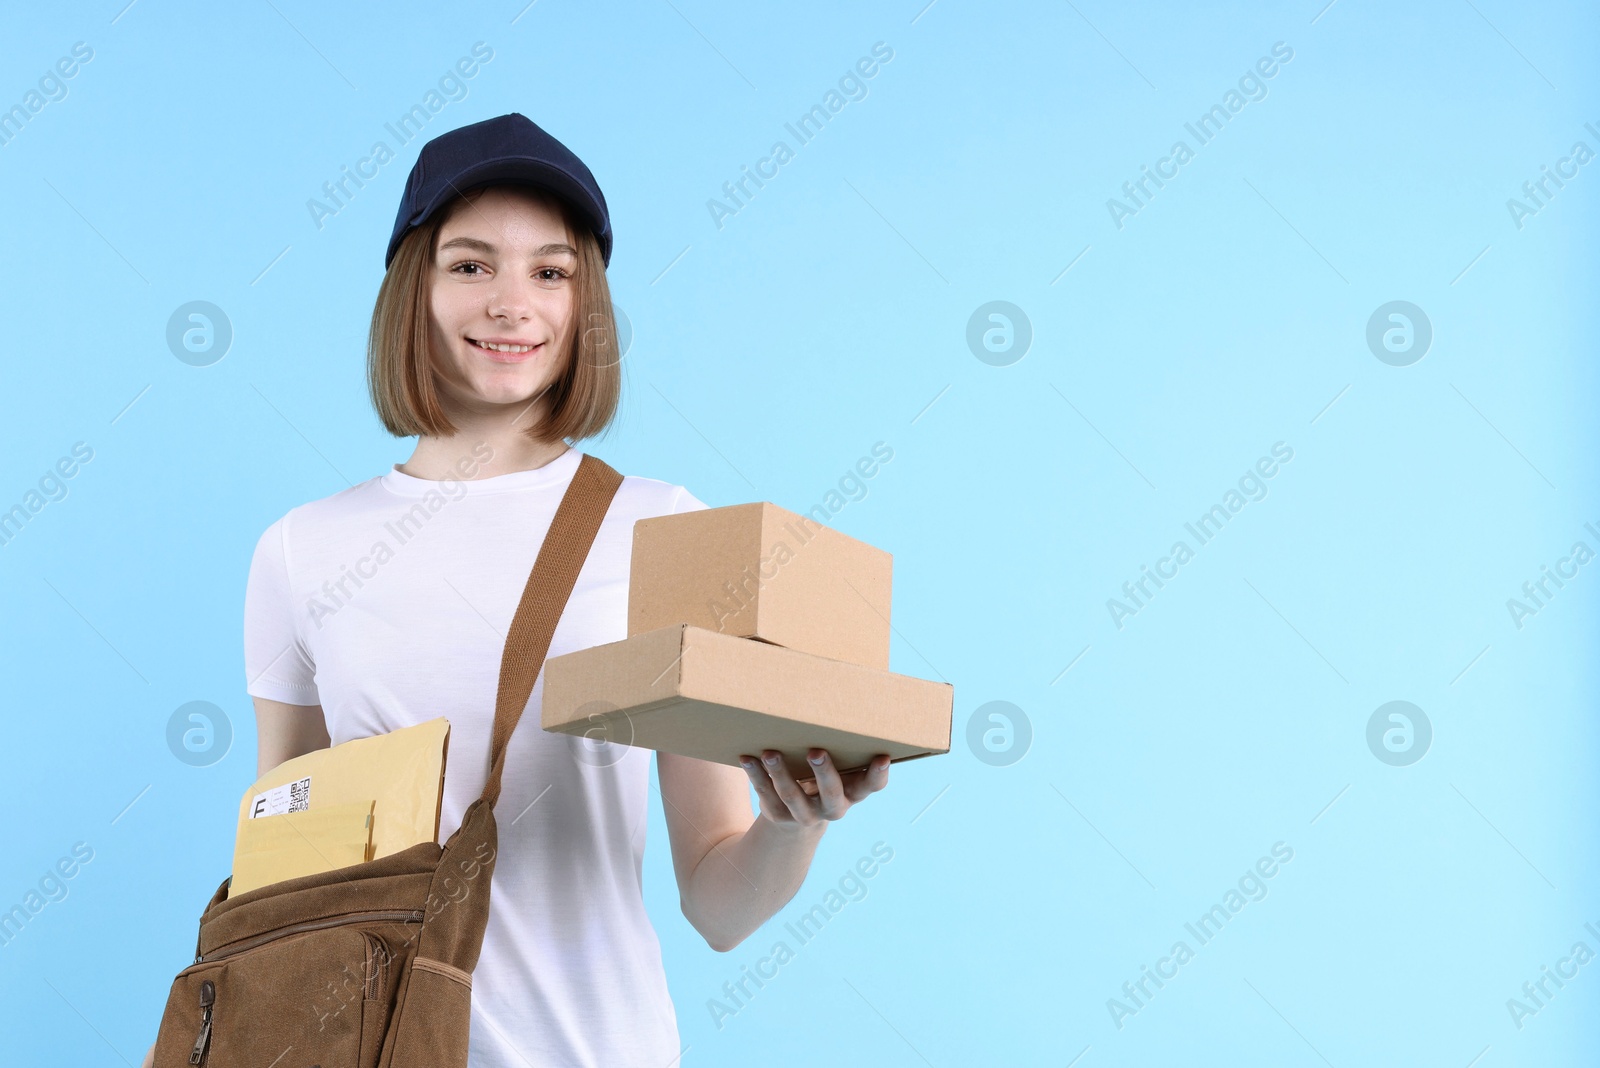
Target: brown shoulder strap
{"type": "Point", "coordinates": [554, 574]}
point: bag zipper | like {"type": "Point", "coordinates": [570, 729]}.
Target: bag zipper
{"type": "Point", "coordinates": [403, 915]}
{"type": "Point", "coordinates": [208, 996]}
{"type": "Point", "coordinates": [378, 954]}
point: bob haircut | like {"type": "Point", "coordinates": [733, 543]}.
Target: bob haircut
{"type": "Point", "coordinates": [400, 376]}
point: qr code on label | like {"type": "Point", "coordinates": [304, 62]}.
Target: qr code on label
{"type": "Point", "coordinates": [290, 797]}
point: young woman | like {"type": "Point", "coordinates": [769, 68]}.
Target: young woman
{"type": "Point", "coordinates": [387, 604]}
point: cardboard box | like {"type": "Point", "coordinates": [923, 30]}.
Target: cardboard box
{"type": "Point", "coordinates": [760, 571]}
{"type": "Point", "coordinates": [694, 692]}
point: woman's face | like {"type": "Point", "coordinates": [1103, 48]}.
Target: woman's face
{"type": "Point", "coordinates": [502, 299]}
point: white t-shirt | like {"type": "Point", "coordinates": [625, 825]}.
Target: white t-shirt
{"type": "Point", "coordinates": [388, 604]}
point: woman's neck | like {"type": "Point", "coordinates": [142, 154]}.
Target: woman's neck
{"type": "Point", "coordinates": [481, 453]}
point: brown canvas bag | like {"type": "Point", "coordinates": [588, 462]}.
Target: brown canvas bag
{"type": "Point", "coordinates": [370, 965]}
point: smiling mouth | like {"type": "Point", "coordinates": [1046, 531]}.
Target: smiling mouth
{"type": "Point", "coordinates": [491, 347]}
{"type": "Point", "coordinates": [504, 353]}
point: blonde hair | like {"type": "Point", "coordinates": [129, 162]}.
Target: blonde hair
{"type": "Point", "coordinates": [400, 375]}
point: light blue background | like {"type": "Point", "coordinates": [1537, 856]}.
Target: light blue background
{"type": "Point", "coordinates": [1228, 715]}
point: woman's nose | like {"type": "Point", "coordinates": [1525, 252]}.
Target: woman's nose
{"type": "Point", "coordinates": [511, 298]}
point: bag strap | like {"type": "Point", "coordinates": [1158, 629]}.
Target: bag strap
{"type": "Point", "coordinates": [555, 573]}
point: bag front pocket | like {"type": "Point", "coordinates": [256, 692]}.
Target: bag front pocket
{"type": "Point", "coordinates": [312, 994]}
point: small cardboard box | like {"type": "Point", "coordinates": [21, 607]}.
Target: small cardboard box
{"type": "Point", "coordinates": [694, 692]}
{"type": "Point", "coordinates": [760, 571]}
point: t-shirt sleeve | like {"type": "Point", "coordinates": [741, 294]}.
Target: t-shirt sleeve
{"type": "Point", "coordinates": [684, 501]}
{"type": "Point", "coordinates": [277, 664]}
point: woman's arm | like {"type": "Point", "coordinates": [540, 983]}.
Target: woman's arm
{"type": "Point", "coordinates": [736, 868]}
{"type": "Point", "coordinates": [286, 731]}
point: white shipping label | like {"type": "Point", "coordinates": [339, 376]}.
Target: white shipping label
{"type": "Point", "coordinates": [290, 797]}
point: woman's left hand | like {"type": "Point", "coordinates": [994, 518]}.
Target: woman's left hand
{"type": "Point", "coordinates": [786, 803]}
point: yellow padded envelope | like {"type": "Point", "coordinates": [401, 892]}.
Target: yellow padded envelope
{"type": "Point", "coordinates": [396, 779]}
{"type": "Point", "coordinates": [272, 848]}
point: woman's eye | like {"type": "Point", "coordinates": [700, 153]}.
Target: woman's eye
{"type": "Point", "coordinates": [551, 274]}
{"type": "Point", "coordinates": [477, 268]}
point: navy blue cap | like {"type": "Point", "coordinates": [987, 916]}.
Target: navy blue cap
{"type": "Point", "coordinates": [509, 148]}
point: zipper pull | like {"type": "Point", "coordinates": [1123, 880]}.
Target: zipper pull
{"type": "Point", "coordinates": [208, 996]}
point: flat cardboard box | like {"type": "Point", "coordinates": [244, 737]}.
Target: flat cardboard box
{"type": "Point", "coordinates": [694, 692]}
{"type": "Point", "coordinates": [760, 571]}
